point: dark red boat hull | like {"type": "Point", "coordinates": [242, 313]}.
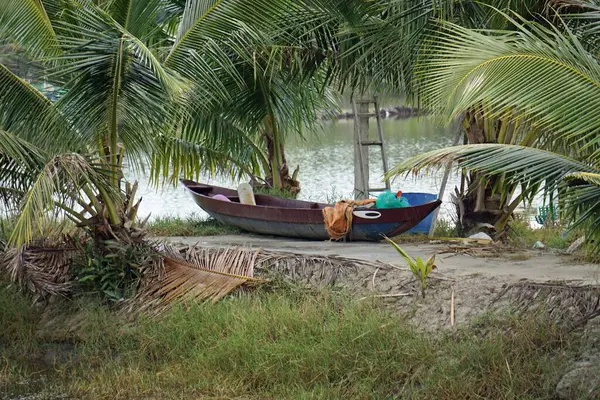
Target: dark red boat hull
{"type": "Point", "coordinates": [302, 219]}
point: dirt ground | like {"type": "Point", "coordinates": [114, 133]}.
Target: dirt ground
{"type": "Point", "coordinates": [468, 279]}
{"type": "Point", "coordinates": [453, 259]}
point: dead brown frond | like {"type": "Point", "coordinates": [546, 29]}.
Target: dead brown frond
{"type": "Point", "coordinates": [314, 270]}
{"type": "Point", "coordinates": [564, 302]}
{"type": "Point", "coordinates": [196, 274]}
{"type": "Point", "coordinates": [475, 249]}
{"type": "Point", "coordinates": [44, 270]}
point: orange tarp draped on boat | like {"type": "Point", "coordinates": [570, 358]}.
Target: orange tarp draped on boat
{"type": "Point", "coordinates": [338, 219]}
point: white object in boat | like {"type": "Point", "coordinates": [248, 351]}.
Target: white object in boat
{"type": "Point", "coordinates": [246, 194]}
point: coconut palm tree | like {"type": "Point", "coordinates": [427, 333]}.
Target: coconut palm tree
{"type": "Point", "coordinates": [197, 85]}
{"type": "Point", "coordinates": [180, 87]}
{"type": "Point", "coordinates": [543, 77]}
{"type": "Point", "coordinates": [173, 87]}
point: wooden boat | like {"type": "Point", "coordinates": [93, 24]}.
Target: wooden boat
{"type": "Point", "coordinates": [279, 216]}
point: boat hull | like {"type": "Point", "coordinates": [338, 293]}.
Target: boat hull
{"type": "Point", "coordinates": [302, 219]}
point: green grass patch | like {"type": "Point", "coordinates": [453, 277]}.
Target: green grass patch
{"type": "Point", "coordinates": [192, 225]}
{"type": "Point", "coordinates": [522, 234]}
{"type": "Point", "coordinates": [284, 344]}
{"type": "Point", "coordinates": [445, 228]}
{"type": "Point", "coordinates": [285, 193]}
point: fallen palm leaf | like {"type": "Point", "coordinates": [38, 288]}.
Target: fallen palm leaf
{"type": "Point", "coordinates": [197, 275]}
{"type": "Point", "coordinates": [44, 270]}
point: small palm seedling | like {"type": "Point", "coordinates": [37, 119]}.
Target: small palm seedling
{"type": "Point", "coordinates": [420, 269]}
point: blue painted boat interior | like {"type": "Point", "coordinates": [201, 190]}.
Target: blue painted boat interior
{"type": "Point", "coordinates": [415, 198]}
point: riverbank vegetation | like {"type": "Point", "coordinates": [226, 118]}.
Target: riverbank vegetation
{"type": "Point", "coordinates": [163, 85]}
{"type": "Point", "coordinates": [520, 234]}
{"type": "Point", "coordinates": [272, 343]}
{"type": "Point", "coordinates": [182, 88]}
{"type": "Point", "coordinates": [191, 225]}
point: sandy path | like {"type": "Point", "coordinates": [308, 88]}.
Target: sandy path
{"type": "Point", "coordinates": [539, 266]}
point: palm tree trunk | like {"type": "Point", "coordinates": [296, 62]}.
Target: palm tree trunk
{"type": "Point", "coordinates": [275, 151]}
{"type": "Point", "coordinates": [480, 202]}
{"type": "Point", "coordinates": [279, 175]}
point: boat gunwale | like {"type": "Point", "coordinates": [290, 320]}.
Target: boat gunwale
{"type": "Point", "coordinates": [323, 205]}
{"type": "Point", "coordinates": [384, 211]}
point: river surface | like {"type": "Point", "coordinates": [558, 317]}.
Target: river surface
{"type": "Point", "coordinates": [326, 160]}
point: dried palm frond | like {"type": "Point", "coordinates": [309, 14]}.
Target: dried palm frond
{"type": "Point", "coordinates": [315, 270]}
{"type": "Point", "coordinates": [44, 270]}
{"type": "Point", "coordinates": [564, 302]}
{"type": "Point", "coordinates": [196, 275]}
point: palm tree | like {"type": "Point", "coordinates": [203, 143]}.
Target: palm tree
{"type": "Point", "coordinates": [542, 77]}
{"type": "Point", "coordinates": [184, 87]}
{"type": "Point", "coordinates": [181, 87]}
{"type": "Point", "coordinates": [385, 51]}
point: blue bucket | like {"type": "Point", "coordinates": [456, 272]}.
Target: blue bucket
{"type": "Point", "coordinates": [420, 198]}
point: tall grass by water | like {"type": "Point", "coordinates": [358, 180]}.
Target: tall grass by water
{"type": "Point", "coordinates": [280, 344]}
{"type": "Point", "coordinates": [192, 225]}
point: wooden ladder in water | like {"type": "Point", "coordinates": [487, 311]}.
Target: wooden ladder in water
{"type": "Point", "coordinates": [362, 143]}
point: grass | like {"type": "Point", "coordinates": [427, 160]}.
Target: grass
{"type": "Point", "coordinates": [555, 237]}
{"type": "Point", "coordinates": [285, 193]}
{"type": "Point", "coordinates": [445, 228]}
{"type": "Point", "coordinates": [192, 225]}
{"type": "Point", "coordinates": [189, 226]}
{"type": "Point", "coordinates": [521, 234]}
{"type": "Point", "coordinates": [277, 344]}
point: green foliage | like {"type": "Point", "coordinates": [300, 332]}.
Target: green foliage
{"type": "Point", "coordinates": [420, 269]}
{"type": "Point", "coordinates": [445, 228]}
{"type": "Point", "coordinates": [18, 316]}
{"type": "Point", "coordinates": [191, 225]}
{"type": "Point", "coordinates": [186, 99]}
{"type": "Point", "coordinates": [538, 76]}
{"type": "Point", "coordinates": [283, 192]}
{"type": "Point", "coordinates": [547, 215]}
{"type": "Point", "coordinates": [281, 344]}
{"type": "Point", "coordinates": [333, 196]}
{"type": "Point", "coordinates": [113, 269]}
{"type": "Point", "coordinates": [535, 171]}
{"type": "Point", "coordinates": [558, 237]}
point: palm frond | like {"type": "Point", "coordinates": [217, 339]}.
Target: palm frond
{"type": "Point", "coordinates": [583, 17]}
{"type": "Point", "coordinates": [59, 183]}
{"type": "Point", "coordinates": [533, 169]}
{"type": "Point", "coordinates": [240, 79]}
{"type": "Point", "coordinates": [119, 89]}
{"type": "Point", "coordinates": [525, 165]}
{"type": "Point", "coordinates": [138, 17]}
{"type": "Point", "coordinates": [26, 112]}
{"type": "Point", "coordinates": [19, 163]}
{"type": "Point", "coordinates": [177, 157]}
{"type": "Point", "coordinates": [544, 75]}
{"type": "Point", "coordinates": [589, 177]}
{"type": "Point", "coordinates": [198, 275]}
{"type": "Point", "coordinates": [223, 18]}
{"type": "Point", "coordinates": [581, 204]}
{"type": "Point", "coordinates": [194, 9]}
{"type": "Point", "coordinates": [27, 23]}
{"type": "Point", "coordinates": [20, 151]}
{"type": "Point", "coordinates": [43, 269]}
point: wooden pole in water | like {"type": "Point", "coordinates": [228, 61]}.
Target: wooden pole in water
{"type": "Point", "coordinates": [445, 178]}
{"type": "Point", "coordinates": [360, 108]}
